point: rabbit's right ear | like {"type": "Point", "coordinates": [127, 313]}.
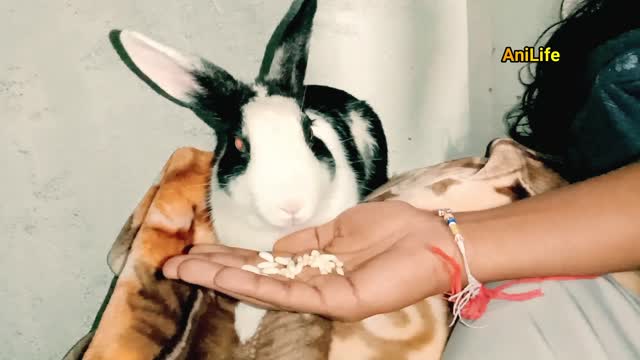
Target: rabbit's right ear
{"type": "Point", "coordinates": [289, 63]}
{"type": "Point", "coordinates": [167, 71]}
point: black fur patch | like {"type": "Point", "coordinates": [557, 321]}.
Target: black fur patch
{"type": "Point", "coordinates": [220, 104]}
{"type": "Point", "coordinates": [317, 146]}
{"type": "Point", "coordinates": [336, 105]}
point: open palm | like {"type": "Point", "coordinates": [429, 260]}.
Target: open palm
{"type": "Point", "coordinates": [384, 247]}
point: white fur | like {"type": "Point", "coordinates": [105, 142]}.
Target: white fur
{"type": "Point", "coordinates": [282, 170]}
{"type": "Point", "coordinates": [247, 320]}
{"type": "Point", "coordinates": [260, 90]}
{"type": "Point", "coordinates": [274, 71]}
{"type": "Point", "coordinates": [365, 143]}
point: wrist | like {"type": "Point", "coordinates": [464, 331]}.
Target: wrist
{"type": "Point", "coordinates": [487, 261]}
{"type": "Point", "coordinates": [441, 237]}
{"type": "Point", "coordinates": [483, 261]}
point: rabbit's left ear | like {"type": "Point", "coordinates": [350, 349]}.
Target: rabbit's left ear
{"type": "Point", "coordinates": [163, 68]}
{"type": "Point", "coordinates": [289, 63]}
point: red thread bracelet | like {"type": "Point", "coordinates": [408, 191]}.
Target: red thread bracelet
{"type": "Point", "coordinates": [472, 301]}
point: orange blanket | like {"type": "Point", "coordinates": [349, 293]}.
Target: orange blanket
{"type": "Point", "coordinates": [144, 312]}
{"type": "Point", "coordinates": [149, 317]}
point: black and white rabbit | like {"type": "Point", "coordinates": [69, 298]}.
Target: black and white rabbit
{"type": "Point", "coordinates": [287, 156]}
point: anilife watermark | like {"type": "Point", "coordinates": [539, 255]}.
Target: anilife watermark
{"type": "Point", "coordinates": [528, 55]}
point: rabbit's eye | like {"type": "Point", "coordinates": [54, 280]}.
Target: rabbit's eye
{"type": "Point", "coordinates": [239, 143]}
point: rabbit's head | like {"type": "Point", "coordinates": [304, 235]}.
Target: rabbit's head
{"type": "Point", "coordinates": [270, 158]}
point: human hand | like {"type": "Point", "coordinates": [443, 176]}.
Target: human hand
{"type": "Point", "coordinates": [385, 248]}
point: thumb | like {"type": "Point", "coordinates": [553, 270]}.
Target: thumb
{"type": "Point", "coordinates": [313, 238]}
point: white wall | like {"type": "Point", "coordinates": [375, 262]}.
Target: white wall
{"type": "Point", "coordinates": [430, 68]}
{"type": "Point", "coordinates": [409, 60]}
{"type": "Point", "coordinates": [83, 138]}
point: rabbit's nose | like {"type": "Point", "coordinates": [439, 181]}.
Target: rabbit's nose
{"type": "Point", "coordinates": [291, 207]}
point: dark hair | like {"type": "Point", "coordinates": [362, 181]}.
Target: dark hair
{"type": "Point", "coordinates": [551, 100]}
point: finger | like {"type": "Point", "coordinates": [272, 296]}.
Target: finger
{"type": "Point", "coordinates": [215, 248]}
{"type": "Point", "coordinates": [307, 239]}
{"type": "Point", "coordinates": [327, 295]}
{"type": "Point", "coordinates": [199, 272]}
{"type": "Point", "coordinates": [170, 268]}
{"type": "Point", "coordinates": [196, 249]}
{"type": "Point", "coordinates": [232, 260]}
{"type": "Point", "coordinates": [249, 300]}
{"type": "Point", "coordinates": [181, 267]}
{"type": "Point", "coordinates": [235, 258]}
{"type": "Point", "coordinates": [211, 248]}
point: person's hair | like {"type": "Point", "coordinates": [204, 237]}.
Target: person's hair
{"type": "Point", "coordinates": [552, 99]}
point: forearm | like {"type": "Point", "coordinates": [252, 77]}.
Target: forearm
{"type": "Point", "coordinates": [589, 228]}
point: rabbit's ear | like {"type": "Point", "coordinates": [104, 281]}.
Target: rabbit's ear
{"type": "Point", "coordinates": [289, 63]}
{"type": "Point", "coordinates": [167, 71]}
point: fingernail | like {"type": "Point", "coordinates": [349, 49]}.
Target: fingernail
{"type": "Point", "coordinates": [170, 267]}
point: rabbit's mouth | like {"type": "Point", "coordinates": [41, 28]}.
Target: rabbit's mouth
{"type": "Point", "coordinates": [286, 219]}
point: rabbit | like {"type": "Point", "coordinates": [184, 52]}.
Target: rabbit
{"type": "Point", "coordinates": [287, 155]}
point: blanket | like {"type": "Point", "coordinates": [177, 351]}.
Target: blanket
{"type": "Point", "coordinates": [146, 316]}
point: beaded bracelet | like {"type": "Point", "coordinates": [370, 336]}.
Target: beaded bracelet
{"type": "Point", "coordinates": [471, 302]}
{"type": "Point", "coordinates": [473, 288]}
